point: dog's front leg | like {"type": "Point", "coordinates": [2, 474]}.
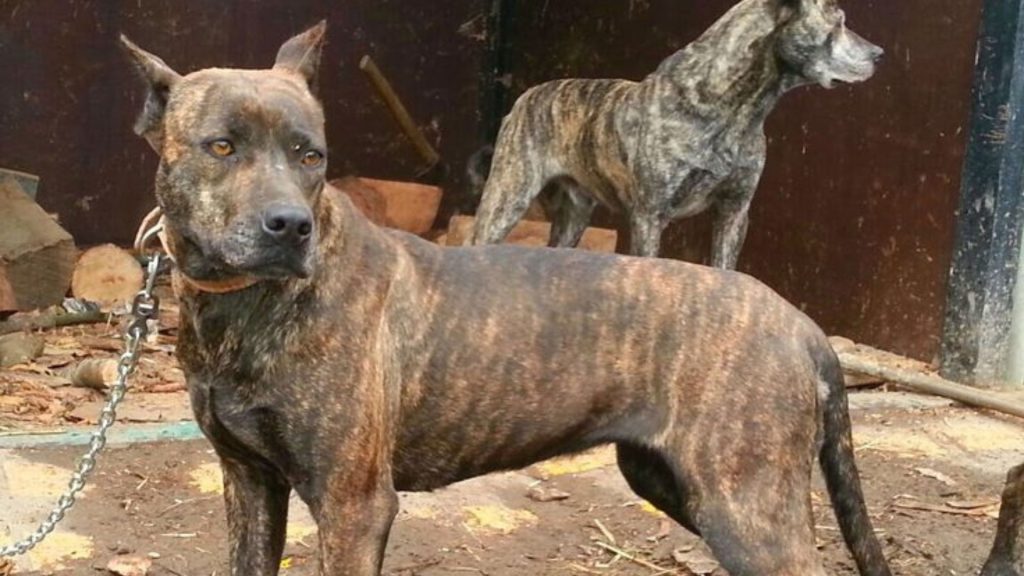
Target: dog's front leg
{"type": "Point", "coordinates": [354, 519]}
{"type": "Point", "coordinates": [257, 511]}
{"type": "Point", "coordinates": [729, 232]}
{"type": "Point", "coordinates": [731, 216]}
{"type": "Point", "coordinates": [646, 227]}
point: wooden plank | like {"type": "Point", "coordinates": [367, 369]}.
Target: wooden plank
{"type": "Point", "coordinates": [531, 233]}
{"type": "Point", "coordinates": [976, 338]}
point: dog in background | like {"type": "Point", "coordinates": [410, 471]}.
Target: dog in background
{"type": "Point", "coordinates": [687, 138]}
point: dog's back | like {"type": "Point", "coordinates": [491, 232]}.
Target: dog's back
{"type": "Point", "coordinates": [571, 128]}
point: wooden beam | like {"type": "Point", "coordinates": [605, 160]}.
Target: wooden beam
{"type": "Point", "coordinates": [975, 347]}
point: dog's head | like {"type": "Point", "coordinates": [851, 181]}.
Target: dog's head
{"type": "Point", "coordinates": [818, 47]}
{"type": "Point", "coordinates": [242, 161]}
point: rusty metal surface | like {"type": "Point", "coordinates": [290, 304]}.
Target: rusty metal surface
{"type": "Point", "coordinates": [68, 98]}
{"type": "Point", "coordinates": [854, 220]}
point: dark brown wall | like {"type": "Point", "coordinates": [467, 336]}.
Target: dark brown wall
{"type": "Point", "coordinates": [854, 219]}
{"type": "Point", "coordinates": [68, 98]}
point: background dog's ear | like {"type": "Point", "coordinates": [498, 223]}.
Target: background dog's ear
{"type": "Point", "coordinates": [159, 78]}
{"type": "Point", "coordinates": [789, 7]}
{"type": "Point", "coordinates": [301, 54]}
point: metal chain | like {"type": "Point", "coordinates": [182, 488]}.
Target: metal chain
{"type": "Point", "coordinates": [145, 307]}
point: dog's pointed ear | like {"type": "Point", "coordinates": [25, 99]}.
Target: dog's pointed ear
{"type": "Point", "coordinates": [159, 78]}
{"type": "Point", "coordinates": [301, 54]}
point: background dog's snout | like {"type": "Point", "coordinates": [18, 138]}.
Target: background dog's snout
{"type": "Point", "coordinates": [876, 53]}
{"type": "Point", "coordinates": [288, 224]}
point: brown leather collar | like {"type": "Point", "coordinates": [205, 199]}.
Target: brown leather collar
{"type": "Point", "coordinates": [224, 286]}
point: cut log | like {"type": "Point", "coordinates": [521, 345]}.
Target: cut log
{"type": "Point", "coordinates": [96, 373]}
{"type": "Point", "coordinates": [530, 233]}
{"type": "Point", "coordinates": [107, 275]}
{"type": "Point", "coordinates": [367, 199]}
{"type": "Point", "coordinates": [37, 256]}
{"type": "Point", "coordinates": [407, 206]}
{"type": "Point", "coordinates": [1007, 555]}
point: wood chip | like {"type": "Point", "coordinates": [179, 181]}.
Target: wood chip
{"type": "Point", "coordinates": [929, 473]}
{"type": "Point", "coordinates": [544, 494]}
{"type": "Point", "coordinates": [943, 509]}
{"type": "Point", "coordinates": [972, 504]}
{"type": "Point", "coordinates": [129, 565]}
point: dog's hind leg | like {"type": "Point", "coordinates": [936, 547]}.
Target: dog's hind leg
{"type": "Point", "coordinates": [511, 187]}
{"type": "Point", "coordinates": [256, 499]}
{"type": "Point", "coordinates": [763, 535]}
{"type": "Point", "coordinates": [653, 479]}
{"type": "Point", "coordinates": [570, 213]}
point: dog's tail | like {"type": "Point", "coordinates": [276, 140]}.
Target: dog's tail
{"type": "Point", "coordinates": [478, 168]}
{"type": "Point", "coordinates": [840, 470]}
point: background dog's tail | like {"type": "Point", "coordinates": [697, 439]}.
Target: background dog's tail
{"type": "Point", "coordinates": [840, 471]}
{"type": "Point", "coordinates": [478, 167]}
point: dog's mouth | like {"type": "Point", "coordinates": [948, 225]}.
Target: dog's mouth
{"type": "Point", "coordinates": [233, 257]}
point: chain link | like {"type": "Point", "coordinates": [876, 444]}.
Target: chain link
{"type": "Point", "coordinates": [145, 307]}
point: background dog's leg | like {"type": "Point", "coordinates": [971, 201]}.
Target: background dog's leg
{"type": "Point", "coordinates": [570, 214]}
{"type": "Point", "coordinates": [508, 193]}
{"type": "Point", "coordinates": [730, 230]}
{"type": "Point", "coordinates": [731, 216]}
{"type": "Point", "coordinates": [354, 519]}
{"type": "Point", "coordinates": [645, 230]}
{"type": "Point", "coordinates": [257, 511]}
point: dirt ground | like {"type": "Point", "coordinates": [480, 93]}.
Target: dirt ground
{"type": "Point", "coordinates": [932, 472]}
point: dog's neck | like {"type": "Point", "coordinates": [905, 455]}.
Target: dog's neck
{"type": "Point", "coordinates": [264, 321]}
{"type": "Point", "coordinates": [732, 70]}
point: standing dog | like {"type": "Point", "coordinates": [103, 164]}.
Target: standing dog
{"type": "Point", "coordinates": [689, 137]}
{"type": "Point", "coordinates": [348, 362]}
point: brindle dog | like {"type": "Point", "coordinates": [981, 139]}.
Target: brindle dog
{"type": "Point", "coordinates": [348, 362]}
{"type": "Point", "coordinates": [688, 137]}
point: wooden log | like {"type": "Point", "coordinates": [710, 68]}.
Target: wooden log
{"type": "Point", "coordinates": [407, 205]}
{"type": "Point", "coordinates": [929, 384]}
{"type": "Point", "coordinates": [96, 373]}
{"type": "Point", "coordinates": [107, 275]}
{"type": "Point", "coordinates": [1007, 555]}
{"type": "Point", "coordinates": [50, 320]}
{"type": "Point", "coordinates": [37, 256]}
{"type": "Point", "coordinates": [531, 233]}
{"type": "Point", "coordinates": [367, 199]}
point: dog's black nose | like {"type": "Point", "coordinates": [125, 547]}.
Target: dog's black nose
{"type": "Point", "coordinates": [288, 224]}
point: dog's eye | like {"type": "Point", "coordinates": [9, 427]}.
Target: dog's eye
{"type": "Point", "coordinates": [222, 148]}
{"type": "Point", "coordinates": [312, 158]}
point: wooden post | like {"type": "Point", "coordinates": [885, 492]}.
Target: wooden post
{"type": "Point", "coordinates": [975, 347]}
{"type": "Point", "coordinates": [1007, 556]}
